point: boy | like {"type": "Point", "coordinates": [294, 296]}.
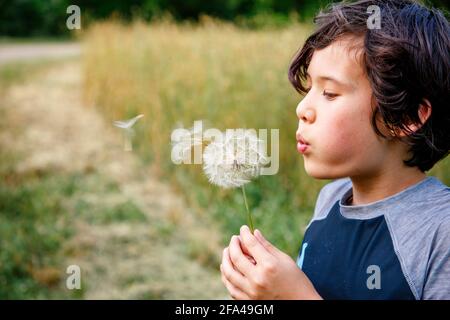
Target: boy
{"type": "Point", "coordinates": [375, 117]}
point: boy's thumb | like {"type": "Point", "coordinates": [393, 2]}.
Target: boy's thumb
{"type": "Point", "coordinates": [265, 243]}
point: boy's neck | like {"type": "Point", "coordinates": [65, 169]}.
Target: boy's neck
{"type": "Point", "coordinates": [382, 185]}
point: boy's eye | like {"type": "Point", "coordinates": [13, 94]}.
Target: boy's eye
{"type": "Point", "coordinates": [329, 95]}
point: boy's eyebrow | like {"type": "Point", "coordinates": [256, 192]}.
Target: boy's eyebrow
{"type": "Point", "coordinates": [330, 78]}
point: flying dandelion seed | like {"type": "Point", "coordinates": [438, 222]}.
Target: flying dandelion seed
{"type": "Point", "coordinates": [235, 160]}
{"type": "Point", "coordinates": [127, 126]}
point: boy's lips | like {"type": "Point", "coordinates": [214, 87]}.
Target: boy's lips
{"type": "Point", "coordinates": [301, 147]}
{"type": "Point", "coordinates": [302, 144]}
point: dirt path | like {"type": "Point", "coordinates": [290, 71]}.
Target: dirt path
{"type": "Point", "coordinates": [26, 52]}
{"type": "Point", "coordinates": [171, 254]}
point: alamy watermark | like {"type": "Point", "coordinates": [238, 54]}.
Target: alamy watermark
{"type": "Point", "coordinates": [74, 20]}
{"type": "Point", "coordinates": [73, 281]}
{"type": "Point", "coordinates": [374, 280]}
{"type": "Point", "coordinates": [188, 144]}
{"type": "Point", "coordinates": [374, 20]}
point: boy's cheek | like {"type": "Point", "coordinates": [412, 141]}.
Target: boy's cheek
{"type": "Point", "coordinates": [334, 154]}
{"type": "Point", "coordinates": [337, 147]}
{"type": "Point", "coordinates": [340, 139]}
{"type": "Point", "coordinates": [345, 134]}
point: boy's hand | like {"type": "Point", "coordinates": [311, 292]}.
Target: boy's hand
{"type": "Point", "coordinates": [252, 268]}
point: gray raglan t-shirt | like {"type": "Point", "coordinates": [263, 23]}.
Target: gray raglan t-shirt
{"type": "Point", "coordinates": [406, 237]}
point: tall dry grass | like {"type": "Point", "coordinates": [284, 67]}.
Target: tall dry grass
{"type": "Point", "coordinates": [231, 78]}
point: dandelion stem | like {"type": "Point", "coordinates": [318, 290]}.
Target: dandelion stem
{"type": "Point", "coordinates": [249, 215]}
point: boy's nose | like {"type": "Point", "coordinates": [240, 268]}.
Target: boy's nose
{"type": "Point", "coordinates": [305, 113]}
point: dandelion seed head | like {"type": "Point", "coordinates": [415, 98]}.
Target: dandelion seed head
{"type": "Point", "coordinates": [235, 159]}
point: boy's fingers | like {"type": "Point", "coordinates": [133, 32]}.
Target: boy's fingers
{"type": "Point", "coordinates": [237, 257]}
{"type": "Point", "coordinates": [231, 274]}
{"type": "Point", "coordinates": [246, 252]}
{"type": "Point", "coordinates": [234, 292]}
{"type": "Point", "coordinates": [256, 249]}
{"type": "Point", "coordinates": [243, 247]}
{"type": "Point", "coordinates": [265, 243]}
{"type": "Point", "coordinates": [226, 260]}
{"type": "Point", "coordinates": [250, 258]}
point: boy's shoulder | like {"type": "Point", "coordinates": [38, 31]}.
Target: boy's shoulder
{"type": "Point", "coordinates": [428, 196]}
{"type": "Point", "coordinates": [428, 204]}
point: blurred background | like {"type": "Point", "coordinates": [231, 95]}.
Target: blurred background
{"type": "Point", "coordinates": [137, 225]}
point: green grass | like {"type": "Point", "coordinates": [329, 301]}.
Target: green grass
{"type": "Point", "coordinates": [37, 216]}
{"type": "Point", "coordinates": [99, 213]}
{"type": "Point", "coordinates": [33, 225]}
{"type": "Point", "coordinates": [17, 72]}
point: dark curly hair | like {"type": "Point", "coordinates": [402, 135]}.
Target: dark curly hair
{"type": "Point", "coordinates": [407, 62]}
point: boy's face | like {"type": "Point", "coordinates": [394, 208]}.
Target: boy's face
{"type": "Point", "coordinates": [335, 117]}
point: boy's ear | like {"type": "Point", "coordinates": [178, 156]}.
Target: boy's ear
{"type": "Point", "coordinates": [424, 114]}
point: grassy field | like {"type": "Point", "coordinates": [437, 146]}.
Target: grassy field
{"type": "Point", "coordinates": [30, 239]}
{"type": "Point", "coordinates": [130, 234]}
{"type": "Point", "coordinates": [229, 77]}
{"type": "Point", "coordinates": [69, 194]}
